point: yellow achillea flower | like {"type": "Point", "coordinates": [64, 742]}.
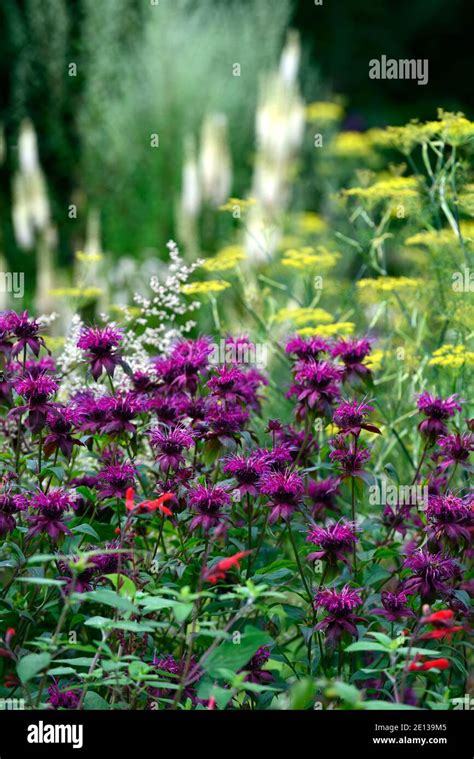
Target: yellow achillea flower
{"type": "Point", "coordinates": [322, 110]}
{"type": "Point", "coordinates": [311, 222]}
{"type": "Point", "coordinates": [351, 145]}
{"type": "Point", "coordinates": [388, 284]}
{"type": "Point", "coordinates": [77, 292]}
{"type": "Point", "coordinates": [240, 204]}
{"type": "Point", "coordinates": [90, 258]}
{"type": "Point", "coordinates": [226, 258]}
{"type": "Point", "coordinates": [308, 257]}
{"type": "Point", "coordinates": [375, 360]}
{"type": "Point", "coordinates": [328, 330]}
{"type": "Point", "coordinates": [300, 316]}
{"type": "Point", "coordinates": [452, 356]}
{"type": "Point", "coordinates": [211, 286]}
{"type": "Point", "coordinates": [395, 188]}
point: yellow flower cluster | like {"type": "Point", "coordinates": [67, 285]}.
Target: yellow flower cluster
{"type": "Point", "coordinates": [204, 288]}
{"type": "Point", "coordinates": [324, 111]}
{"type": "Point", "coordinates": [434, 238]}
{"type": "Point", "coordinates": [388, 284]}
{"type": "Point", "coordinates": [239, 204]}
{"type": "Point", "coordinates": [88, 258]}
{"type": "Point", "coordinates": [308, 257]}
{"type": "Point", "coordinates": [452, 356]}
{"type": "Point", "coordinates": [227, 258]}
{"type": "Point", "coordinates": [328, 330]}
{"type": "Point", "coordinates": [87, 293]}
{"type": "Point", "coordinates": [395, 188]}
{"type": "Point", "coordinates": [351, 145]}
{"type": "Point", "coordinates": [300, 316]}
{"type": "Point", "coordinates": [311, 223]}
{"type": "Point", "coordinates": [451, 128]}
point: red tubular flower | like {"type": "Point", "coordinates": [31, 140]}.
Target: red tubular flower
{"type": "Point", "coordinates": [11, 632]}
{"type": "Point", "coordinates": [211, 704]}
{"type": "Point", "coordinates": [443, 633]}
{"type": "Point", "coordinates": [148, 505]}
{"type": "Point", "coordinates": [129, 502]}
{"type": "Point", "coordinates": [439, 616]}
{"type": "Point", "coordinates": [423, 666]}
{"type": "Point", "coordinates": [218, 571]}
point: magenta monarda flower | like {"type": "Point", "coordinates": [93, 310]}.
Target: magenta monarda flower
{"type": "Point", "coordinates": [254, 668]}
{"type": "Point", "coordinates": [187, 362]}
{"type": "Point", "coordinates": [207, 502]}
{"type": "Point", "coordinates": [170, 444]}
{"type": "Point", "coordinates": [351, 416]}
{"type": "Point", "coordinates": [114, 480]}
{"type": "Point", "coordinates": [9, 506]}
{"type": "Point", "coordinates": [227, 384]}
{"type": "Point", "coordinates": [395, 606]}
{"type": "Point", "coordinates": [300, 444]}
{"type": "Point", "coordinates": [60, 432]}
{"type": "Point", "coordinates": [285, 493]}
{"type": "Point", "coordinates": [340, 605]}
{"type": "Point", "coordinates": [100, 346]}
{"type": "Point", "coordinates": [78, 580]}
{"type": "Point", "coordinates": [225, 423]}
{"type": "Point", "coordinates": [437, 411]}
{"type": "Point", "coordinates": [120, 410]}
{"type": "Point", "coordinates": [322, 495]}
{"type": "Point", "coordinates": [450, 517]}
{"type": "Point", "coordinates": [349, 456]}
{"type": "Point", "coordinates": [335, 541]}
{"type": "Point", "coordinates": [278, 458]}
{"type": "Point", "coordinates": [431, 574]}
{"type": "Point", "coordinates": [169, 668]}
{"type": "Point", "coordinates": [316, 387]}
{"type": "Point", "coordinates": [25, 334]}
{"type": "Point", "coordinates": [37, 392]}
{"type": "Point", "coordinates": [247, 470]}
{"type": "Point", "coordinates": [52, 507]}
{"type": "Point", "coordinates": [306, 349]}
{"type": "Point", "coordinates": [455, 450]}
{"type": "Point", "coordinates": [61, 698]}
{"type": "Point", "coordinates": [352, 353]}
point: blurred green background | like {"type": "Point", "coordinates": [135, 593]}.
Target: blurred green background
{"type": "Point", "coordinates": [97, 79]}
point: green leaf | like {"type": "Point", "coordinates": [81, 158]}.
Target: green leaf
{"type": "Point", "coordinates": [86, 529]}
{"type": "Point", "coordinates": [349, 693]}
{"type": "Point", "coordinates": [127, 587]}
{"type": "Point", "coordinates": [302, 694]}
{"type": "Point", "coordinates": [235, 656]}
{"type": "Point", "coordinates": [95, 702]}
{"type": "Point", "coordinates": [182, 611]}
{"type": "Point", "coordinates": [31, 665]}
{"type": "Point", "coordinates": [109, 598]}
{"type": "Point", "coordinates": [366, 645]}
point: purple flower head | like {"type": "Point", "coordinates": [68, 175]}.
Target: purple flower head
{"type": "Point", "coordinates": [285, 492]}
{"type": "Point", "coordinates": [170, 444]}
{"type": "Point", "coordinates": [60, 426]}
{"type": "Point", "coordinates": [431, 574]}
{"type": "Point", "coordinates": [351, 416]}
{"type": "Point", "coordinates": [340, 606]}
{"type": "Point", "coordinates": [301, 445]}
{"type": "Point", "coordinates": [456, 449]}
{"type": "Point", "coordinates": [207, 501]}
{"type": "Point", "coordinates": [254, 668]}
{"type": "Point", "coordinates": [437, 411]}
{"type": "Point", "coordinates": [316, 387]}
{"type": "Point", "coordinates": [25, 334]}
{"type": "Point", "coordinates": [247, 470]}
{"type": "Point", "coordinates": [323, 495]}
{"type": "Point", "coordinates": [227, 384]}
{"type": "Point", "coordinates": [335, 541]}
{"type": "Point", "coordinates": [77, 581]}
{"type": "Point", "coordinates": [394, 606]}
{"type": "Point", "coordinates": [349, 456]}
{"type": "Point", "coordinates": [187, 361]}
{"type": "Point", "coordinates": [63, 699]}
{"type": "Point", "coordinates": [169, 668]}
{"type": "Point", "coordinates": [306, 349]}
{"type": "Point", "coordinates": [100, 346]}
{"type": "Point", "coordinates": [37, 392]}
{"type": "Point", "coordinates": [278, 458]}
{"type": "Point", "coordinates": [9, 506]}
{"type": "Point", "coordinates": [450, 517]}
{"type": "Point", "coordinates": [352, 353]}
{"type": "Point", "coordinates": [120, 410]}
{"type": "Point", "coordinates": [114, 480]}
{"type": "Point", "coordinates": [52, 507]}
{"type": "Point", "coordinates": [107, 563]}
{"type": "Point", "coordinates": [225, 423]}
